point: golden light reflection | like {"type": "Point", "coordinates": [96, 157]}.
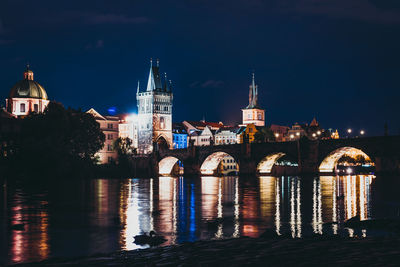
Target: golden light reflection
{"type": "Point", "coordinates": [32, 244]}
{"type": "Point", "coordinates": [167, 205]}
{"type": "Point", "coordinates": [270, 201]}
{"type": "Point", "coordinates": [356, 195]}
{"type": "Point", "coordinates": [317, 207]}
{"type": "Point", "coordinates": [295, 207]}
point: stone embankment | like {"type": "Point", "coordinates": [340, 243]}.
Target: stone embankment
{"type": "Point", "coordinates": [267, 251]}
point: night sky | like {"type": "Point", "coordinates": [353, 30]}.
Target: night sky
{"type": "Point", "coordinates": [337, 60]}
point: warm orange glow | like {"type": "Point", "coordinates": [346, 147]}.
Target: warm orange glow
{"type": "Point", "coordinates": [266, 164]}
{"type": "Point", "coordinates": [330, 162]}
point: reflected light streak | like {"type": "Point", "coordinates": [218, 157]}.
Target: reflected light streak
{"type": "Point", "coordinates": [236, 211]}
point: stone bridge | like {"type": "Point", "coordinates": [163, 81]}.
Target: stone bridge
{"type": "Point", "coordinates": [311, 156]}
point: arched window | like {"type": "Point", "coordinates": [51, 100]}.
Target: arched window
{"type": "Point", "coordinates": [259, 116]}
{"type": "Point", "coordinates": [162, 123]}
{"type": "Point", "coordinates": [22, 107]}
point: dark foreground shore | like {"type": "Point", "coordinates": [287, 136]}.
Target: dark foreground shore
{"type": "Point", "coordinates": [313, 251]}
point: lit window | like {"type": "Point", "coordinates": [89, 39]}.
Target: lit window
{"type": "Point", "coordinates": [22, 107]}
{"type": "Point", "coordinates": [109, 147]}
{"type": "Point", "coordinates": [109, 126]}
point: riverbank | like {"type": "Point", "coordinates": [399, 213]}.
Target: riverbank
{"type": "Point", "coordinates": [318, 251]}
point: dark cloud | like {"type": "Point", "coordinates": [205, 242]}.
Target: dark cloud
{"type": "Point", "coordinates": [96, 45]}
{"type": "Point", "coordinates": [2, 29]}
{"type": "Point", "coordinates": [6, 42]}
{"type": "Point", "coordinates": [114, 19]}
{"type": "Point", "coordinates": [342, 9]}
{"type": "Point", "coordinates": [207, 84]}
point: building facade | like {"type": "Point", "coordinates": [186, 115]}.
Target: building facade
{"type": "Point", "coordinates": [180, 136]}
{"type": "Point", "coordinates": [109, 126]}
{"type": "Point", "coordinates": [155, 113]}
{"type": "Point", "coordinates": [228, 135]}
{"type": "Point", "coordinates": [253, 113]}
{"type": "Point", "coordinates": [26, 96]}
{"type": "Point", "coordinates": [128, 128]}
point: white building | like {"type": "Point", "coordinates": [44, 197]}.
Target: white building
{"type": "Point", "coordinates": [227, 135]}
{"type": "Point", "coordinates": [27, 96]}
{"type": "Point", "coordinates": [228, 166]}
{"type": "Point", "coordinates": [155, 112]}
{"type": "Point", "coordinates": [128, 128]}
{"type": "Point", "coordinates": [201, 138]}
{"type": "Point", "coordinates": [109, 126]}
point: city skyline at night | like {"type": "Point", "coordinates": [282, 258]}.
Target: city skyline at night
{"type": "Point", "coordinates": [310, 60]}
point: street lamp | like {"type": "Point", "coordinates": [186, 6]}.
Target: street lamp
{"type": "Point", "coordinates": [291, 136]}
{"type": "Point", "coordinates": [314, 135]}
{"type": "Point", "coordinates": [349, 131]}
{"type": "Point", "coordinates": [276, 135]}
{"type": "Point", "coordinates": [362, 132]}
{"type": "Point", "coordinates": [319, 132]}
{"type": "Point", "coordinates": [298, 133]}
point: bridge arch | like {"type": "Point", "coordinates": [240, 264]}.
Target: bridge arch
{"type": "Point", "coordinates": [266, 164]}
{"type": "Point", "coordinates": [166, 165]}
{"type": "Point", "coordinates": [210, 164]}
{"type": "Point", "coordinates": [329, 163]}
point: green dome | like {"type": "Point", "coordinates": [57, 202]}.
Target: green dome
{"type": "Point", "coordinates": [28, 89]}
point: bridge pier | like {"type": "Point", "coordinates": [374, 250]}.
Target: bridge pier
{"type": "Point", "coordinates": [387, 165]}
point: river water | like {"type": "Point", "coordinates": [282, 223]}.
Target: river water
{"type": "Point", "coordinates": [70, 218]}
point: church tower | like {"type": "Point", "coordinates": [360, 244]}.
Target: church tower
{"type": "Point", "coordinates": [253, 114]}
{"type": "Point", "coordinates": [155, 112]}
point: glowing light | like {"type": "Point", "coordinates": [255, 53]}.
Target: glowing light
{"type": "Point", "coordinates": [292, 136]}
{"type": "Point", "coordinates": [211, 163]}
{"type": "Point", "coordinates": [349, 131]}
{"type": "Point", "coordinates": [349, 170]}
{"type": "Point", "coordinates": [166, 164]}
{"type": "Point", "coordinates": [329, 163]}
{"type": "Point", "coordinates": [298, 133]}
{"type": "Point", "coordinates": [132, 117]}
{"type": "Point", "coordinates": [266, 164]}
{"type": "Point", "coordinates": [319, 132]}
{"type": "Point", "coordinates": [276, 135]}
{"type": "Point", "coordinates": [362, 132]}
{"type": "Point", "coordinates": [314, 135]}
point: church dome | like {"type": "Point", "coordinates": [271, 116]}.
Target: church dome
{"type": "Point", "coordinates": [28, 88]}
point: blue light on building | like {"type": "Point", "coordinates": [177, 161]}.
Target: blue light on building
{"type": "Point", "coordinates": [179, 135]}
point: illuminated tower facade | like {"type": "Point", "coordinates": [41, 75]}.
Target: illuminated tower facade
{"type": "Point", "coordinates": [155, 112]}
{"type": "Point", "coordinates": [253, 114]}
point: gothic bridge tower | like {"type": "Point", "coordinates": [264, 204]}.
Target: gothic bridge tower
{"type": "Point", "coordinates": [155, 112]}
{"type": "Point", "coordinates": [253, 113]}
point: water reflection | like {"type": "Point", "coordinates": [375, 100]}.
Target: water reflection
{"type": "Point", "coordinates": [104, 215]}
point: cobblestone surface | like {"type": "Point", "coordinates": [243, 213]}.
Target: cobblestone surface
{"type": "Point", "coordinates": [313, 251]}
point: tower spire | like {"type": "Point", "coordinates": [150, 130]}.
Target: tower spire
{"type": "Point", "coordinates": [138, 87]}
{"type": "Point", "coordinates": [28, 74]}
{"type": "Point", "coordinates": [166, 87]}
{"type": "Point", "coordinates": [151, 62]}
{"type": "Point", "coordinates": [158, 62]}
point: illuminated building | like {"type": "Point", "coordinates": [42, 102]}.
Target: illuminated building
{"type": "Point", "coordinates": [27, 96]}
{"type": "Point", "coordinates": [335, 135]}
{"type": "Point", "coordinates": [128, 128]}
{"type": "Point", "coordinates": [247, 135]}
{"type": "Point", "coordinates": [202, 138]}
{"type": "Point", "coordinates": [179, 136]}
{"type": "Point", "coordinates": [295, 133]}
{"type": "Point", "coordinates": [155, 112]}
{"type": "Point", "coordinates": [228, 166]}
{"type": "Point", "coordinates": [109, 126]}
{"type": "Point", "coordinates": [279, 132]}
{"type": "Point", "coordinates": [253, 114]}
{"type": "Point", "coordinates": [228, 135]}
